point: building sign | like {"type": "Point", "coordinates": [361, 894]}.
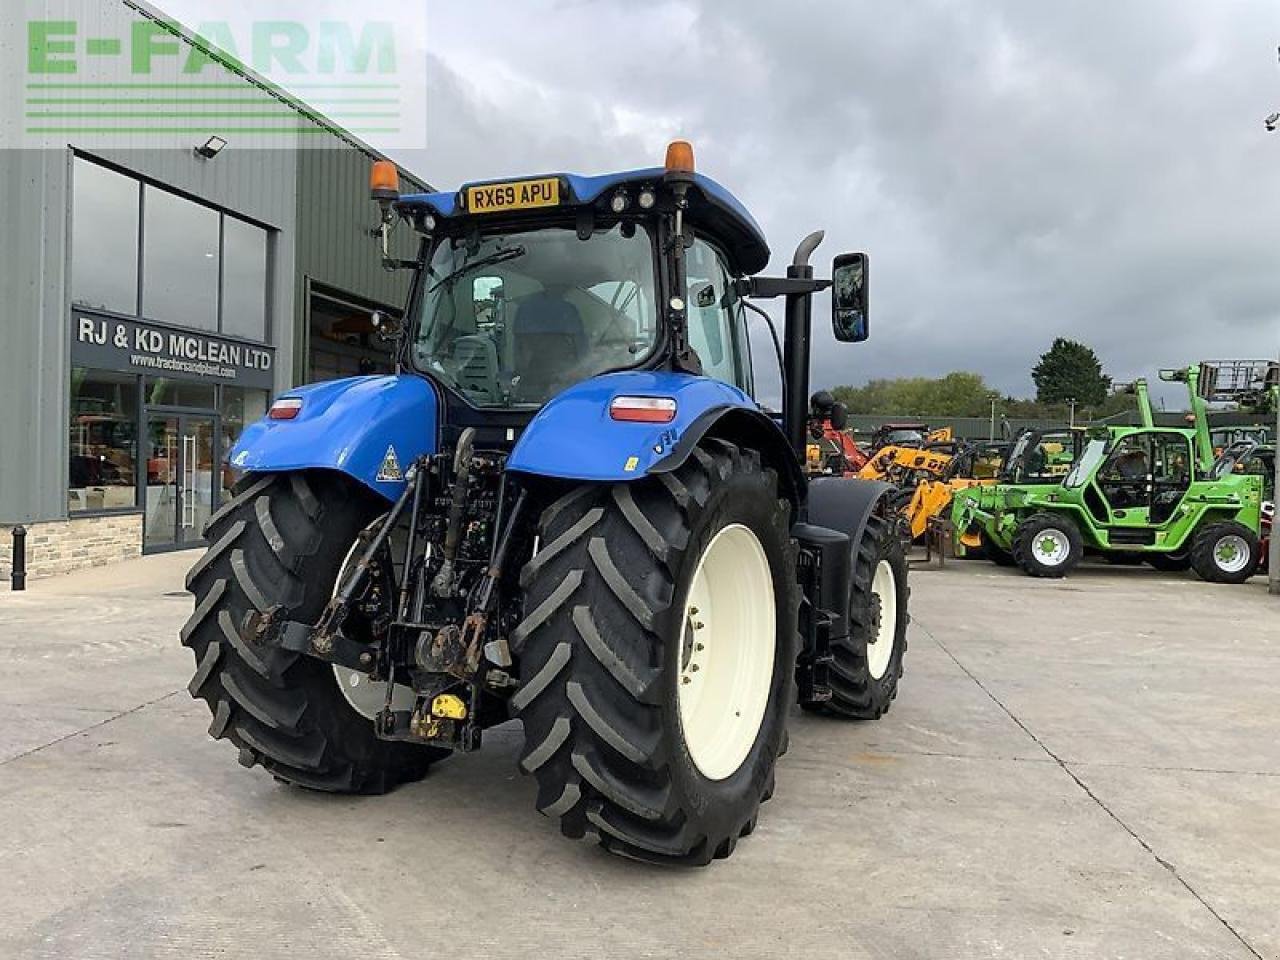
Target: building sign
{"type": "Point", "coordinates": [133, 346]}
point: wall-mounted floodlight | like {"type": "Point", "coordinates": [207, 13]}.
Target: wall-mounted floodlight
{"type": "Point", "coordinates": [210, 148]}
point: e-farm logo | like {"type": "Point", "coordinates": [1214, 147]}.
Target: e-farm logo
{"type": "Point", "coordinates": [146, 81]}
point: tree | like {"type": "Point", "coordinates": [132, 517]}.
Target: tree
{"type": "Point", "coordinates": [958, 394]}
{"type": "Point", "coordinates": [1070, 370]}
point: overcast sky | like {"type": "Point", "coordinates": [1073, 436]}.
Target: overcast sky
{"type": "Point", "coordinates": [1016, 170]}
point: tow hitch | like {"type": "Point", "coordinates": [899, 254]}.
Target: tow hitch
{"type": "Point", "coordinates": [446, 664]}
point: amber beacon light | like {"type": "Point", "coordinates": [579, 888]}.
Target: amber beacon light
{"type": "Point", "coordinates": [384, 181]}
{"type": "Point", "coordinates": [679, 157]}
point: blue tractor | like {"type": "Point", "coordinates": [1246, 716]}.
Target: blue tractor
{"type": "Point", "coordinates": [564, 507]}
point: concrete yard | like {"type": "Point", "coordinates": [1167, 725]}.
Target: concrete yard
{"type": "Point", "coordinates": [1087, 768]}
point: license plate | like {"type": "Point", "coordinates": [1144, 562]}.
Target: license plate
{"type": "Point", "coordinates": [520, 195]}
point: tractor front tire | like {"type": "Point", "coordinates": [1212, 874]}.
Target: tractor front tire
{"type": "Point", "coordinates": [867, 664]}
{"type": "Point", "coordinates": [282, 539]}
{"type": "Point", "coordinates": [1227, 552]}
{"type": "Point", "coordinates": [1048, 545]}
{"type": "Point", "coordinates": [657, 655]}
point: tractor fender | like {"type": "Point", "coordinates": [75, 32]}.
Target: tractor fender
{"type": "Point", "coordinates": [839, 507]}
{"type": "Point", "coordinates": [574, 437]}
{"type": "Point", "coordinates": [846, 503]}
{"type": "Point", "coordinates": [370, 428]}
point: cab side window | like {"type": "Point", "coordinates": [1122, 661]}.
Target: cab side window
{"type": "Point", "coordinates": [1172, 459]}
{"type": "Point", "coordinates": [714, 316]}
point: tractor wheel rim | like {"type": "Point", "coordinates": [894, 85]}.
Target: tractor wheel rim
{"type": "Point", "coordinates": [366, 696]}
{"type": "Point", "coordinates": [1231, 554]}
{"type": "Point", "coordinates": [1051, 547]}
{"type": "Point", "coordinates": [726, 652]}
{"type": "Point", "coordinates": [884, 629]}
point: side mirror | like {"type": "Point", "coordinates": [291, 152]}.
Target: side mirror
{"type": "Point", "coordinates": [839, 415]}
{"type": "Point", "coordinates": [849, 318]}
{"type": "Point", "coordinates": [387, 328]}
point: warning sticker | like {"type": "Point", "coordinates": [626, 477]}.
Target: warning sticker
{"type": "Point", "coordinates": [390, 471]}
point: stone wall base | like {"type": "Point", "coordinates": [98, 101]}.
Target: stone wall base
{"type": "Point", "coordinates": [60, 546]}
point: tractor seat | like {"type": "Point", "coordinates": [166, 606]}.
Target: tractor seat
{"type": "Point", "coordinates": [550, 341]}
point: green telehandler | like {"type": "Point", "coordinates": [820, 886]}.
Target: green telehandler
{"type": "Point", "coordinates": [1155, 493]}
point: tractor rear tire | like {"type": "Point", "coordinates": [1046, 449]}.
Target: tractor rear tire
{"type": "Point", "coordinates": [864, 676]}
{"type": "Point", "coordinates": [1048, 545]}
{"type": "Point", "coordinates": [608, 656]}
{"type": "Point", "coordinates": [1227, 552]}
{"type": "Point", "coordinates": [282, 539]}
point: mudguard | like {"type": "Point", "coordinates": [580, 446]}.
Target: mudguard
{"type": "Point", "coordinates": [370, 428]}
{"type": "Point", "coordinates": [574, 438]}
{"type": "Point", "coordinates": [843, 505]}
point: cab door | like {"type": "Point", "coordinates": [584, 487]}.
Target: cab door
{"type": "Point", "coordinates": [717, 328]}
{"type": "Point", "coordinates": [1170, 476]}
{"type": "Point", "coordinates": [1125, 480]}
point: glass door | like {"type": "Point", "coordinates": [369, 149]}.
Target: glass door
{"type": "Point", "coordinates": [181, 469]}
{"type": "Point", "coordinates": [200, 467]}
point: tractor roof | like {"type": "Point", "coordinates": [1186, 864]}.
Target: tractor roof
{"type": "Point", "coordinates": [712, 208]}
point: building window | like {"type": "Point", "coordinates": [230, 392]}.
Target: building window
{"type": "Point", "coordinates": [200, 268]}
{"type": "Point", "coordinates": [104, 441]}
{"type": "Point", "coordinates": [239, 408]}
{"type": "Point", "coordinates": [104, 239]}
{"type": "Point", "coordinates": [180, 246]}
{"type": "Point", "coordinates": [244, 279]}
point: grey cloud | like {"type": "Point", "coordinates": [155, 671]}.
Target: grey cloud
{"type": "Point", "coordinates": [1016, 170]}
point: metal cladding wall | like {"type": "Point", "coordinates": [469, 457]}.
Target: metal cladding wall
{"type": "Point", "coordinates": [334, 220]}
{"type": "Point", "coordinates": [314, 199]}
{"type": "Point", "coordinates": [33, 334]}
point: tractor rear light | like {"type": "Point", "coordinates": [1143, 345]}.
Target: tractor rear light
{"type": "Point", "coordinates": [643, 409]}
{"type": "Point", "coordinates": [286, 408]}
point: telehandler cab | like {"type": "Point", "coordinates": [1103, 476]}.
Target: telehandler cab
{"type": "Point", "coordinates": [565, 507]}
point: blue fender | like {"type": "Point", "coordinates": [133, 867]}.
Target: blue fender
{"type": "Point", "coordinates": [574, 438]}
{"type": "Point", "coordinates": [350, 426]}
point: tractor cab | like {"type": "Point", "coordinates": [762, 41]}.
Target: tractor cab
{"type": "Point", "coordinates": [1134, 479]}
{"type": "Point", "coordinates": [525, 288]}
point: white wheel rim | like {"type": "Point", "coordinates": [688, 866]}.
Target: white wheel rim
{"type": "Point", "coordinates": [366, 695]}
{"type": "Point", "coordinates": [1231, 554]}
{"type": "Point", "coordinates": [726, 652]}
{"type": "Point", "coordinates": [884, 631]}
{"type": "Point", "coordinates": [1051, 547]}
